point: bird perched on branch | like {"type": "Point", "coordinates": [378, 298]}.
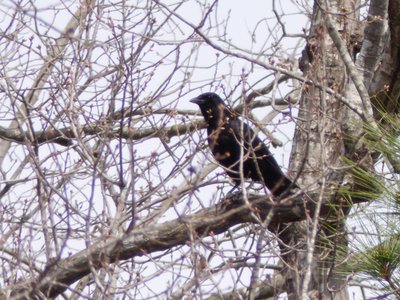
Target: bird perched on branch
{"type": "Point", "coordinates": [227, 134]}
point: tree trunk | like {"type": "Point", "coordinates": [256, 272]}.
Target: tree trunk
{"type": "Point", "coordinates": [310, 248]}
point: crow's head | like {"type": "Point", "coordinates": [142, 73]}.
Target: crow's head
{"type": "Point", "coordinates": [211, 105]}
{"type": "Point", "coordinates": [207, 100]}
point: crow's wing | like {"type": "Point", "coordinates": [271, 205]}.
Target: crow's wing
{"type": "Point", "coordinates": [258, 162]}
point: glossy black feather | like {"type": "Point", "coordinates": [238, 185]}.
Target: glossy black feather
{"type": "Point", "coordinates": [227, 134]}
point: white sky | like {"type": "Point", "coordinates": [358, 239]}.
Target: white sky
{"type": "Point", "coordinates": [251, 26]}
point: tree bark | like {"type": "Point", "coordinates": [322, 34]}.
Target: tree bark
{"type": "Point", "coordinates": [310, 248]}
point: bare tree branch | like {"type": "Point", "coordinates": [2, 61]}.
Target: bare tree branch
{"type": "Point", "coordinates": [57, 277]}
{"type": "Point", "coordinates": [45, 71]}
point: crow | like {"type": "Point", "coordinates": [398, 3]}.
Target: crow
{"type": "Point", "coordinates": [227, 135]}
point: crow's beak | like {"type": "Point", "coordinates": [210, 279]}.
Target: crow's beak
{"type": "Point", "coordinates": [197, 101]}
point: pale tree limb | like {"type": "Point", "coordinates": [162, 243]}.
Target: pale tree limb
{"type": "Point", "coordinates": [57, 276]}
{"type": "Point", "coordinates": [375, 36]}
{"type": "Point", "coordinates": [63, 136]}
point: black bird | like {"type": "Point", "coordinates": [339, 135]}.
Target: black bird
{"type": "Point", "coordinates": [227, 134]}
